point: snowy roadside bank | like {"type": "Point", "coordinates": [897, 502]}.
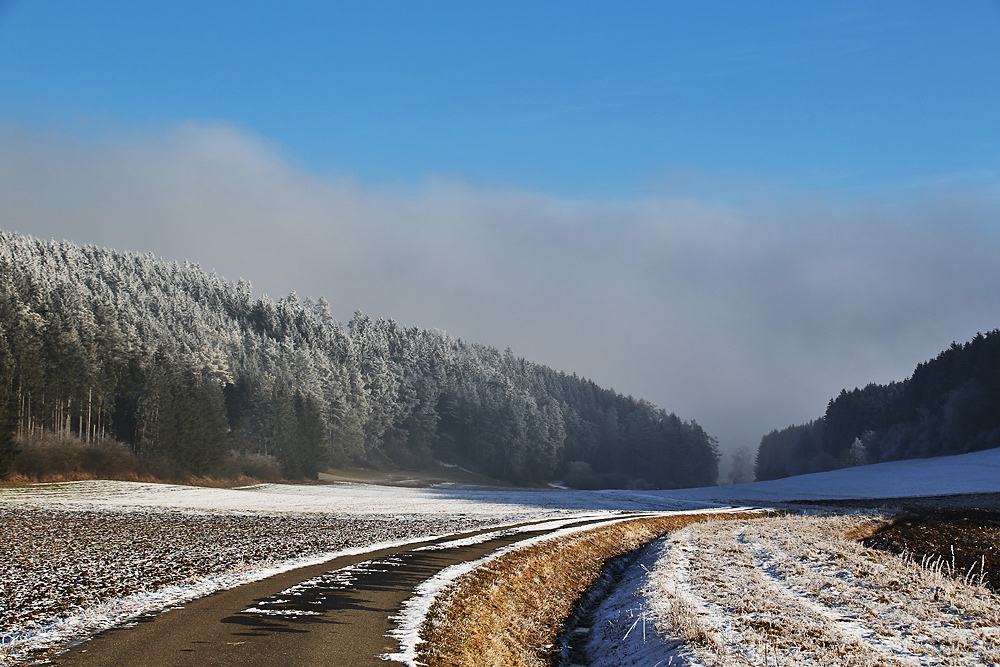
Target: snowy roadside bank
{"type": "Point", "coordinates": [623, 628]}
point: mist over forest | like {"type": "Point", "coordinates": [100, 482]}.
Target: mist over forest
{"type": "Point", "coordinates": [186, 369]}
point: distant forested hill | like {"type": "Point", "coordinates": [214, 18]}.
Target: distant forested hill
{"type": "Point", "coordinates": [950, 405]}
{"type": "Point", "coordinates": [184, 365]}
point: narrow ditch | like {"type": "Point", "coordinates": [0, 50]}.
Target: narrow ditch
{"type": "Point", "coordinates": [571, 645]}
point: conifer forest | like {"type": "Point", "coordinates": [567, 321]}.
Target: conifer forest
{"type": "Point", "coordinates": [182, 365]}
{"type": "Point", "coordinates": [949, 405]}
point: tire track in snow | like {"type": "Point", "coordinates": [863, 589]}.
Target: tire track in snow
{"type": "Point", "coordinates": [837, 624]}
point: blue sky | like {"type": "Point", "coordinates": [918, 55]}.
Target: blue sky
{"type": "Point", "coordinates": [732, 209]}
{"type": "Point", "coordinates": [573, 98]}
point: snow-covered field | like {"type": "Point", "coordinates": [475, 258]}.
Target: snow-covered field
{"type": "Point", "coordinates": [978, 472]}
{"type": "Point", "coordinates": [347, 499]}
{"type": "Point", "coordinates": [65, 574]}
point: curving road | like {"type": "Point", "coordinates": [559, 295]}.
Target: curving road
{"type": "Point", "coordinates": [337, 614]}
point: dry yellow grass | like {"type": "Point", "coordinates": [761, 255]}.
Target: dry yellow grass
{"type": "Point", "coordinates": [509, 611]}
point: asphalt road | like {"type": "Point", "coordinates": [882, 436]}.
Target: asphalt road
{"type": "Point", "coordinates": [336, 618]}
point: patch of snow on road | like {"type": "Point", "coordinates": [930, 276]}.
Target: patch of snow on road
{"type": "Point", "coordinates": [314, 592]}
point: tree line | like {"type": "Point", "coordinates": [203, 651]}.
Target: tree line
{"type": "Point", "coordinates": [182, 365]}
{"type": "Point", "coordinates": [949, 405]}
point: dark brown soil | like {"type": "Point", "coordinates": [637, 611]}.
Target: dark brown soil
{"type": "Point", "coordinates": [965, 543]}
{"type": "Point", "coordinates": [962, 530]}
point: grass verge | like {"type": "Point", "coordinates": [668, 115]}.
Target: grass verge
{"type": "Point", "coordinates": [509, 611]}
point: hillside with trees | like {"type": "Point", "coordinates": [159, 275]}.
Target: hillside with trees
{"type": "Point", "coordinates": [185, 367]}
{"type": "Point", "coordinates": [950, 405]}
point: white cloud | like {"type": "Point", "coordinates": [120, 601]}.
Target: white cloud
{"type": "Point", "coordinates": [745, 317]}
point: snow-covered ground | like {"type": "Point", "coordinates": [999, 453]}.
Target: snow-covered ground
{"type": "Point", "coordinates": [79, 557]}
{"type": "Point", "coordinates": [68, 573]}
{"type": "Point", "coordinates": [978, 472]}
{"type": "Point", "coordinates": [346, 499]}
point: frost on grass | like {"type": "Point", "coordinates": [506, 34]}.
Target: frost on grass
{"type": "Point", "coordinates": [795, 591]}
